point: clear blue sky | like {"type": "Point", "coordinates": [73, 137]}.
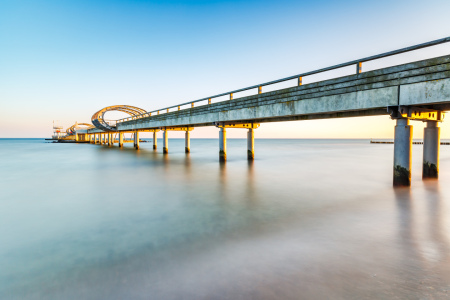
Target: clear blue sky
{"type": "Point", "coordinates": [64, 60]}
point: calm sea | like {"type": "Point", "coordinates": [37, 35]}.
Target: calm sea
{"type": "Point", "coordinates": [308, 219]}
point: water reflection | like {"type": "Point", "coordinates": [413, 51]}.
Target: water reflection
{"type": "Point", "coordinates": [438, 234]}
{"type": "Point", "coordinates": [411, 257]}
{"type": "Point", "coordinates": [422, 236]}
{"type": "Point", "coordinates": [299, 222]}
{"type": "Point", "coordinates": [250, 195]}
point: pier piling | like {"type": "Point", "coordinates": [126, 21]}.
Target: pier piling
{"type": "Point", "coordinates": [251, 144]}
{"type": "Point", "coordinates": [165, 141]}
{"type": "Point", "coordinates": [187, 147]}
{"type": "Point", "coordinates": [402, 153]}
{"type": "Point", "coordinates": [431, 145]}
{"type": "Point", "coordinates": [136, 140]}
{"type": "Point", "coordinates": [222, 144]}
{"type": "Point", "coordinates": [120, 139]}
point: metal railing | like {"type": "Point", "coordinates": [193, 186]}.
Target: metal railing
{"type": "Point", "coordinates": [299, 77]}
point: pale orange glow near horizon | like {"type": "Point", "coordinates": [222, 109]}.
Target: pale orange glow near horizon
{"type": "Point", "coordinates": [376, 127]}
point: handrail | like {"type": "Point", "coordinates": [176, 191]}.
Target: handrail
{"type": "Point", "coordinates": [357, 62]}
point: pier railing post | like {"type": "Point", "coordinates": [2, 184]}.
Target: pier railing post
{"type": "Point", "coordinates": [165, 141]}
{"type": "Point", "coordinates": [155, 141]}
{"type": "Point", "coordinates": [402, 153]}
{"type": "Point", "coordinates": [359, 68]}
{"type": "Point", "coordinates": [431, 145]}
{"type": "Point", "coordinates": [251, 144]}
{"type": "Point", "coordinates": [187, 145]}
{"type": "Point", "coordinates": [222, 144]}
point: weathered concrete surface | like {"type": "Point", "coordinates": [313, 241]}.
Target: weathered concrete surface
{"type": "Point", "coordinates": [429, 92]}
{"type": "Point", "coordinates": [425, 83]}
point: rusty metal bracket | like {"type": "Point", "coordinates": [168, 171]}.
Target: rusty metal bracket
{"type": "Point", "coordinates": [236, 125]}
{"type": "Point", "coordinates": [172, 128]}
{"type": "Point", "coordinates": [416, 113]}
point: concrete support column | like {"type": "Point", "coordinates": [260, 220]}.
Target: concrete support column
{"type": "Point", "coordinates": [109, 138]}
{"type": "Point", "coordinates": [165, 141]}
{"type": "Point", "coordinates": [431, 145]}
{"type": "Point", "coordinates": [120, 139]}
{"type": "Point", "coordinates": [136, 140]}
{"type": "Point", "coordinates": [187, 145]}
{"type": "Point", "coordinates": [251, 144]}
{"type": "Point", "coordinates": [402, 153]}
{"type": "Point", "coordinates": [155, 141]}
{"type": "Point", "coordinates": [222, 144]}
{"type": "Point", "coordinates": [76, 137]}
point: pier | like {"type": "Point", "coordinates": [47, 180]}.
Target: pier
{"type": "Point", "coordinates": [417, 91]}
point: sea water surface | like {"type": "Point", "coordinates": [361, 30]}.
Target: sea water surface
{"type": "Point", "coordinates": [308, 219]}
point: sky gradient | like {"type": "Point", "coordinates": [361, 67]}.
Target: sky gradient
{"type": "Point", "coordinates": [64, 60]}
